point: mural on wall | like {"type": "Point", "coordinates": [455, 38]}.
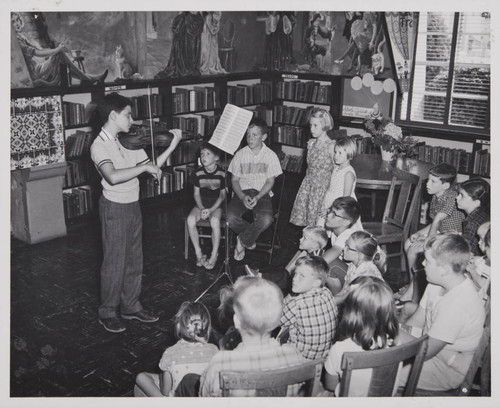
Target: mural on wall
{"type": "Point", "coordinates": [145, 45]}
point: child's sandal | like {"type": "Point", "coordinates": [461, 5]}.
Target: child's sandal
{"type": "Point", "coordinates": [201, 260]}
{"type": "Point", "coordinates": [209, 264]}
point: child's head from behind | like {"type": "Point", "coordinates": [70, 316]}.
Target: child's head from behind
{"type": "Point", "coordinates": [209, 155]}
{"type": "Point", "coordinates": [113, 102]}
{"type": "Point", "coordinates": [472, 194]}
{"type": "Point", "coordinates": [484, 234]}
{"type": "Point", "coordinates": [258, 305]}
{"type": "Point", "coordinates": [369, 315]}
{"type": "Point", "coordinates": [361, 246]}
{"type": "Point", "coordinates": [443, 253]}
{"type": "Point", "coordinates": [256, 133]}
{"type": "Point", "coordinates": [320, 121]}
{"type": "Point", "coordinates": [441, 177]}
{"type": "Point", "coordinates": [344, 212]}
{"type": "Point", "coordinates": [310, 273]}
{"type": "Point", "coordinates": [345, 150]}
{"type": "Point", "coordinates": [313, 238]}
{"type": "Point", "coordinates": [192, 322]}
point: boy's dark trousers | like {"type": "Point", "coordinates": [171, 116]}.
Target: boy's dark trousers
{"type": "Point", "coordinates": [121, 270]}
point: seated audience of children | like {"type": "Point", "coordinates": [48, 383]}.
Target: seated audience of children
{"type": "Point", "coordinates": [190, 354]}
{"type": "Point", "coordinates": [311, 316]}
{"type": "Point", "coordinates": [479, 267]}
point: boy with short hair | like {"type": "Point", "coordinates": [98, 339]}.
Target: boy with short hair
{"type": "Point", "coordinates": [450, 312]}
{"type": "Point", "coordinates": [311, 315]}
{"type": "Point", "coordinates": [341, 220]}
{"type": "Point", "coordinates": [209, 194]}
{"type": "Point", "coordinates": [258, 305]}
{"type": "Point", "coordinates": [254, 169]}
{"type": "Point", "coordinates": [445, 215]}
{"type": "Point", "coordinates": [120, 213]}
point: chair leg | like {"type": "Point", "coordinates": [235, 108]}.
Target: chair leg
{"type": "Point", "coordinates": [186, 240]}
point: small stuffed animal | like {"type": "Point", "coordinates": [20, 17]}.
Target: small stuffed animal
{"type": "Point", "coordinates": [378, 63]}
{"type": "Point", "coordinates": [124, 68]}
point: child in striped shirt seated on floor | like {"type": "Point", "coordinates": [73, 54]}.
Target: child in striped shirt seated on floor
{"type": "Point", "coordinates": [191, 354]}
{"type": "Point", "coordinates": [310, 317]}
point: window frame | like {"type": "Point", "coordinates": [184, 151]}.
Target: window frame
{"type": "Point", "coordinates": [457, 132]}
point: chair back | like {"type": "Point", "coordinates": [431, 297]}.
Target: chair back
{"type": "Point", "coordinates": [273, 383]}
{"type": "Point", "coordinates": [278, 189]}
{"type": "Point", "coordinates": [402, 200]}
{"type": "Point", "coordinates": [384, 364]}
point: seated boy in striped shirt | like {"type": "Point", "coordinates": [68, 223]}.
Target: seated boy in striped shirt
{"type": "Point", "coordinates": [254, 169]}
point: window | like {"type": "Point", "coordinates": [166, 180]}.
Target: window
{"type": "Point", "coordinates": [451, 80]}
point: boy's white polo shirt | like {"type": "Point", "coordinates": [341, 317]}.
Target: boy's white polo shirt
{"type": "Point", "coordinates": [107, 149]}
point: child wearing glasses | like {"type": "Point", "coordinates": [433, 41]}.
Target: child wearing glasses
{"type": "Point", "coordinates": [363, 254]}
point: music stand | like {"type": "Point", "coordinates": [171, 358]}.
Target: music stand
{"type": "Point", "coordinates": [227, 137]}
{"type": "Point", "coordinates": [224, 270]}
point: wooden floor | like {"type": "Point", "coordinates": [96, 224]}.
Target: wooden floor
{"type": "Point", "coordinates": [58, 348]}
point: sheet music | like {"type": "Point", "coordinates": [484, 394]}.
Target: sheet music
{"type": "Point", "coordinates": [231, 128]}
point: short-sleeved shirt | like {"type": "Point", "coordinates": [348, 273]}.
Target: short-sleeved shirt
{"type": "Point", "coordinates": [210, 184]}
{"type": "Point", "coordinates": [254, 169]}
{"type": "Point", "coordinates": [367, 268]}
{"type": "Point", "coordinates": [265, 355]}
{"type": "Point", "coordinates": [185, 357]}
{"type": "Point", "coordinates": [455, 317]}
{"type": "Point", "coordinates": [447, 204]}
{"type": "Point", "coordinates": [107, 149]}
{"type": "Point", "coordinates": [470, 225]}
{"type": "Point", "coordinates": [311, 318]}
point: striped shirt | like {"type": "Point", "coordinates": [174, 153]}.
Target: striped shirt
{"type": "Point", "coordinates": [107, 149]}
{"type": "Point", "coordinates": [265, 355]}
{"type": "Point", "coordinates": [254, 169]}
{"type": "Point", "coordinates": [312, 321]}
{"type": "Point", "coordinates": [210, 184]}
{"type": "Point", "coordinates": [447, 204]}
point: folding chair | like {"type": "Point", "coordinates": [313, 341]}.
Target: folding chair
{"type": "Point", "coordinates": [275, 242]}
{"type": "Point", "coordinates": [273, 383]}
{"type": "Point", "coordinates": [203, 225]}
{"type": "Point", "coordinates": [384, 364]}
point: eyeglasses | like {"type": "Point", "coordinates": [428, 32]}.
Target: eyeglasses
{"type": "Point", "coordinates": [350, 249]}
{"type": "Point", "coordinates": [335, 214]}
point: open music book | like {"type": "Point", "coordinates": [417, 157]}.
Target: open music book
{"type": "Point", "coordinates": [231, 128]}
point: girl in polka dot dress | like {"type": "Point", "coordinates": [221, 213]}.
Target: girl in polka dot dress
{"type": "Point", "coordinates": [190, 355]}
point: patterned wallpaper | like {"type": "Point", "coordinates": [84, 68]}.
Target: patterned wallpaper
{"type": "Point", "coordinates": [36, 136]}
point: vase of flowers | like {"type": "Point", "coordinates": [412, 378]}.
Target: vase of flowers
{"type": "Point", "coordinates": [389, 137]}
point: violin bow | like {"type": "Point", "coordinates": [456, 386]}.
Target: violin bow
{"type": "Point", "coordinates": [153, 153]}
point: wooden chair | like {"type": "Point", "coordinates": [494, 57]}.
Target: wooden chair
{"type": "Point", "coordinates": [384, 364]}
{"type": "Point", "coordinates": [274, 383]}
{"type": "Point", "coordinates": [275, 242]}
{"type": "Point", "coordinates": [400, 210]}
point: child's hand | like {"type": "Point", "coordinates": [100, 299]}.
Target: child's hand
{"type": "Point", "coordinates": [205, 213]}
{"type": "Point", "coordinates": [415, 237]}
{"type": "Point", "coordinates": [177, 137]}
{"type": "Point", "coordinates": [248, 202]}
{"type": "Point", "coordinates": [154, 170]}
{"type": "Point", "coordinates": [253, 201]}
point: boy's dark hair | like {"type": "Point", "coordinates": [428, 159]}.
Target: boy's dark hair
{"type": "Point", "coordinates": [317, 264]}
{"type": "Point", "coordinates": [350, 206]}
{"type": "Point", "coordinates": [444, 172]}
{"type": "Point", "coordinates": [112, 102]}
{"type": "Point", "coordinates": [261, 124]}
{"type": "Point", "coordinates": [212, 148]}
{"type": "Point", "coordinates": [477, 189]}
{"type": "Point", "coordinates": [192, 322]}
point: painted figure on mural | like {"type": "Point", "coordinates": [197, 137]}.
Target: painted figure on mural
{"type": "Point", "coordinates": [210, 62]}
{"type": "Point", "coordinates": [278, 44]}
{"type": "Point", "coordinates": [185, 53]}
{"type": "Point", "coordinates": [366, 35]}
{"type": "Point", "coordinates": [43, 58]}
{"type": "Point", "coordinates": [312, 47]}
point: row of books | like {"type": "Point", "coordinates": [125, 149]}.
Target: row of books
{"type": "Point", "coordinates": [186, 152]}
{"type": "Point", "coordinates": [242, 94]}
{"type": "Point", "coordinates": [73, 113]}
{"type": "Point", "coordinates": [292, 115]}
{"type": "Point", "coordinates": [140, 105]}
{"type": "Point", "coordinates": [77, 201]}
{"type": "Point", "coordinates": [304, 91]}
{"type": "Point", "coordinates": [77, 172]}
{"type": "Point", "coordinates": [78, 143]}
{"type": "Point", "coordinates": [169, 182]}
{"type": "Point", "coordinates": [290, 162]}
{"type": "Point", "coordinates": [477, 162]}
{"type": "Point", "coordinates": [263, 113]}
{"type": "Point", "coordinates": [199, 98]}
{"type": "Point", "coordinates": [294, 136]}
{"type": "Point", "coordinates": [202, 125]}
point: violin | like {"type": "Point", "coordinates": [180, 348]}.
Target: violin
{"type": "Point", "coordinates": [139, 137]}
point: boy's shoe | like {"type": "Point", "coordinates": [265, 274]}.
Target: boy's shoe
{"type": "Point", "coordinates": [112, 324]}
{"type": "Point", "coordinates": [141, 315]}
{"type": "Point", "coordinates": [252, 247]}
